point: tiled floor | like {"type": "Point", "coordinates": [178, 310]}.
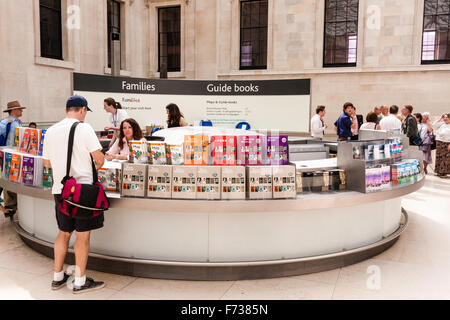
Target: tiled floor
{"type": "Point", "coordinates": [416, 267]}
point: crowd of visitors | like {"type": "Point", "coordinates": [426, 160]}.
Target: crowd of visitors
{"type": "Point", "coordinates": [418, 127]}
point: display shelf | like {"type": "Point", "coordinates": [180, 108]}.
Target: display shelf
{"type": "Point", "coordinates": [356, 168]}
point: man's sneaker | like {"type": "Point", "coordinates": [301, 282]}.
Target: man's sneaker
{"type": "Point", "coordinates": [59, 284]}
{"type": "Point", "coordinates": [89, 285]}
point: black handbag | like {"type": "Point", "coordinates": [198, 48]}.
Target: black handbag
{"type": "Point", "coordinates": [81, 201]}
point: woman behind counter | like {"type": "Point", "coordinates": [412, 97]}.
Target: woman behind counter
{"type": "Point", "coordinates": [174, 117]}
{"type": "Point", "coordinates": [117, 115]}
{"type": "Point", "coordinates": [129, 130]}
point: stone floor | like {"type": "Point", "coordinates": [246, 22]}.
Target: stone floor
{"type": "Point", "coordinates": [416, 267]}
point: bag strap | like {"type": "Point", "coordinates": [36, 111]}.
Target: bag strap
{"type": "Point", "coordinates": [8, 129]}
{"type": "Point", "coordinates": [70, 151]}
{"type": "Point", "coordinates": [70, 148]}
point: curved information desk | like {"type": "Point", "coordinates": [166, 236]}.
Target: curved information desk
{"type": "Point", "coordinates": [226, 239]}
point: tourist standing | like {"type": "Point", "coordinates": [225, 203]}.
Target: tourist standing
{"type": "Point", "coordinates": [384, 112]}
{"type": "Point", "coordinates": [442, 167]}
{"type": "Point", "coordinates": [85, 146]}
{"type": "Point", "coordinates": [391, 122]}
{"type": "Point", "coordinates": [318, 126]}
{"type": "Point", "coordinates": [345, 123]}
{"type": "Point", "coordinates": [8, 128]}
{"type": "Point", "coordinates": [358, 120]}
{"type": "Point", "coordinates": [409, 126]}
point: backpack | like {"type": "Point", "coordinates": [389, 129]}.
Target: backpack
{"type": "Point", "coordinates": [4, 138]}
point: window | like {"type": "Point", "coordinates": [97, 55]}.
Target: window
{"type": "Point", "coordinates": [253, 46]}
{"type": "Point", "coordinates": [169, 41]}
{"type": "Point", "coordinates": [113, 24]}
{"type": "Point", "coordinates": [50, 29]}
{"type": "Point", "coordinates": [436, 32]}
{"type": "Point", "coordinates": [341, 33]}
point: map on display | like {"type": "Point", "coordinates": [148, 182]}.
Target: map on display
{"type": "Point", "coordinates": [264, 104]}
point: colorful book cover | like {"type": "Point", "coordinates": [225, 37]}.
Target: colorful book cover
{"type": "Point", "coordinates": [47, 178]}
{"type": "Point", "coordinates": [138, 152]}
{"type": "Point", "coordinates": [157, 152]}
{"type": "Point", "coordinates": [176, 154]}
{"type": "Point", "coordinates": [14, 173]}
{"type": "Point", "coordinates": [168, 155]}
{"type": "Point", "coordinates": [250, 150]}
{"type": "Point", "coordinates": [28, 170]}
{"type": "Point", "coordinates": [16, 143]}
{"type": "Point", "coordinates": [224, 150]}
{"type": "Point", "coordinates": [2, 158]}
{"type": "Point", "coordinates": [8, 159]}
{"type": "Point", "coordinates": [109, 178]}
{"type": "Point", "coordinates": [34, 140]}
{"type": "Point", "coordinates": [277, 150]}
{"type": "Point", "coordinates": [41, 142]}
{"type": "Point", "coordinates": [196, 149]}
{"type": "Point", "coordinates": [24, 145]}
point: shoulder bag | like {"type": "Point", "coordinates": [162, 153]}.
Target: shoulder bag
{"type": "Point", "coordinates": [81, 201]}
{"type": "Point", "coordinates": [4, 138]}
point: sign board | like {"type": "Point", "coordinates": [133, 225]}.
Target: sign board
{"type": "Point", "coordinates": [264, 104]}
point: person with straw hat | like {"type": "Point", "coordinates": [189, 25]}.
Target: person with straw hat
{"type": "Point", "coordinates": [14, 110]}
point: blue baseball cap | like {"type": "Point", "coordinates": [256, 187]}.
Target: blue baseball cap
{"type": "Point", "coordinates": [77, 101]}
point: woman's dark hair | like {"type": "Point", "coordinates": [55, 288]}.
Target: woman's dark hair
{"type": "Point", "coordinates": [32, 123]}
{"type": "Point", "coordinates": [137, 132]}
{"type": "Point", "coordinates": [112, 102]}
{"type": "Point", "coordinates": [174, 115]}
{"type": "Point", "coordinates": [418, 116]}
{"type": "Point", "coordinates": [372, 117]}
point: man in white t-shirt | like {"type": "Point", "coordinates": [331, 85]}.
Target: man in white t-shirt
{"type": "Point", "coordinates": [85, 145]}
{"type": "Point", "coordinates": [317, 125]}
{"type": "Point", "coordinates": [391, 122]}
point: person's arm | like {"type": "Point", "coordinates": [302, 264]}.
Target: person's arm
{"type": "Point", "coordinates": [114, 152]}
{"type": "Point", "coordinates": [182, 122]}
{"type": "Point", "coordinates": [99, 158]}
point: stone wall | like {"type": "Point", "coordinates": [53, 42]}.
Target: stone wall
{"type": "Point", "coordinates": [388, 68]}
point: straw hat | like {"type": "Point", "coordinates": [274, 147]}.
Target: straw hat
{"type": "Point", "coordinates": [13, 105]}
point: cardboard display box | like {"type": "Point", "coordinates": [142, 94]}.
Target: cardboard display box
{"type": "Point", "coordinates": [134, 177]}
{"type": "Point", "coordinates": [184, 182]}
{"type": "Point", "coordinates": [159, 181]}
{"type": "Point", "coordinates": [208, 182]}
{"type": "Point", "coordinates": [284, 182]}
{"type": "Point", "coordinates": [259, 184]}
{"type": "Point", "coordinates": [233, 183]}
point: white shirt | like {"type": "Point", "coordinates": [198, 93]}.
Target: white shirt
{"type": "Point", "coordinates": [317, 127]}
{"type": "Point", "coordinates": [423, 129]}
{"type": "Point", "coordinates": [369, 125]}
{"type": "Point", "coordinates": [391, 122]}
{"type": "Point", "coordinates": [116, 119]}
{"type": "Point", "coordinates": [55, 149]}
{"type": "Point", "coordinates": [443, 133]}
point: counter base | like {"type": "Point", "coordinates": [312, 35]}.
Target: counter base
{"type": "Point", "coordinates": [220, 271]}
